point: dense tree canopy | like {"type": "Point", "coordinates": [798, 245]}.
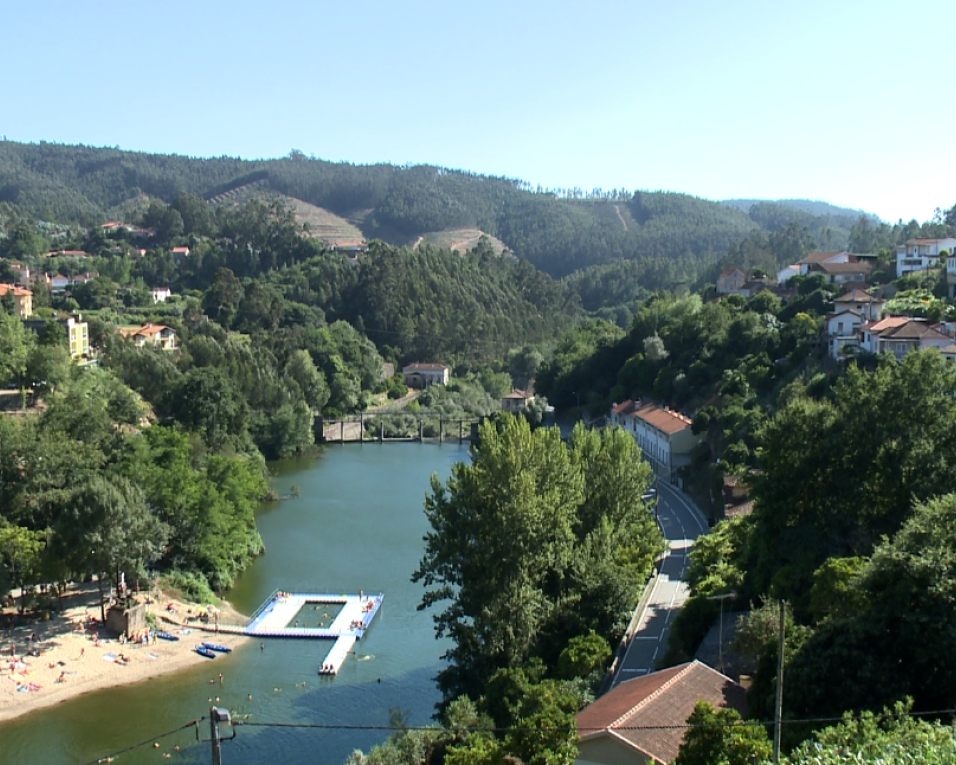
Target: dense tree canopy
{"type": "Point", "coordinates": [524, 537]}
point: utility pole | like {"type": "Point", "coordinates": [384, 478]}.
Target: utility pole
{"type": "Point", "coordinates": [778, 712]}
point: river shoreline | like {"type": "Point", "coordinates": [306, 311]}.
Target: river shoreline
{"type": "Point", "coordinates": [72, 650]}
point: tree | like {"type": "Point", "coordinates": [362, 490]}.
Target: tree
{"type": "Point", "coordinates": [21, 555]}
{"type": "Point", "coordinates": [302, 370]}
{"type": "Point", "coordinates": [206, 401]}
{"type": "Point", "coordinates": [533, 543]}
{"type": "Point", "coordinates": [892, 426]}
{"type": "Point", "coordinates": [107, 525]}
{"type": "Point", "coordinates": [720, 737]}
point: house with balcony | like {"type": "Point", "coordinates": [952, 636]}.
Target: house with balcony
{"type": "Point", "coordinates": [157, 335]}
{"type": "Point", "coordinates": [922, 254]}
{"type": "Point", "coordinates": [77, 333]}
{"type": "Point", "coordinates": [843, 332]}
{"type": "Point", "coordinates": [901, 334]}
{"type": "Point", "coordinates": [422, 375]}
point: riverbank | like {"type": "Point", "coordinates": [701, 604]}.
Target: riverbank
{"type": "Point", "coordinates": [77, 655]}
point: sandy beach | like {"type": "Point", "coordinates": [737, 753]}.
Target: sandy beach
{"type": "Point", "coordinates": [72, 648]}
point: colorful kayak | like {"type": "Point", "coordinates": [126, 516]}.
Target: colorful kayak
{"type": "Point", "coordinates": [203, 651]}
{"type": "Point", "coordinates": [165, 635]}
{"type": "Point", "coordinates": [217, 647]}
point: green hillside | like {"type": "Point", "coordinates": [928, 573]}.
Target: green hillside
{"type": "Point", "coordinates": [405, 205]}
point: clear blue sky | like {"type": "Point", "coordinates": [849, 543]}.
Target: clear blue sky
{"type": "Point", "coordinates": [848, 102]}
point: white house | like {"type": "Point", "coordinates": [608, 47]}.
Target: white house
{"type": "Point", "coordinates": [901, 334]}
{"type": "Point", "coordinates": [161, 294]}
{"type": "Point", "coordinates": [423, 375]}
{"type": "Point", "coordinates": [840, 272]}
{"type": "Point", "coordinates": [665, 436]}
{"type": "Point", "coordinates": [920, 254]}
{"type": "Point", "coordinates": [861, 301]}
{"type": "Point", "coordinates": [843, 329]}
{"type": "Point", "coordinates": [815, 258]}
{"type": "Point", "coordinates": [787, 273]}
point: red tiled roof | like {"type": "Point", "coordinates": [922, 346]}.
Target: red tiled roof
{"type": "Point", "coordinates": [518, 394]}
{"type": "Point", "coordinates": [664, 419]}
{"type": "Point", "coordinates": [885, 323]}
{"type": "Point", "coordinates": [17, 291]}
{"type": "Point", "coordinates": [736, 511]}
{"type": "Point", "coordinates": [648, 712]}
{"type": "Point", "coordinates": [927, 241]}
{"type": "Point", "coordinates": [623, 408]}
{"type": "Point", "coordinates": [730, 272]}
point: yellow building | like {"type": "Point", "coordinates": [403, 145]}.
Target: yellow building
{"type": "Point", "coordinates": [78, 333]}
{"type": "Point", "coordinates": [22, 299]}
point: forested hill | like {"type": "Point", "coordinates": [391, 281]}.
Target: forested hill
{"type": "Point", "coordinates": [559, 233]}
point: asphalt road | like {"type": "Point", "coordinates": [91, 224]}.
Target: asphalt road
{"type": "Point", "coordinates": [682, 524]}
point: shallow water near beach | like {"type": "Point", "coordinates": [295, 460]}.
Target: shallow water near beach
{"type": "Point", "coordinates": [357, 525]}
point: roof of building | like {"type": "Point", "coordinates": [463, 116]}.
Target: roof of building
{"type": "Point", "coordinates": [519, 395]}
{"type": "Point", "coordinates": [929, 241]}
{"type": "Point", "coordinates": [913, 330]}
{"type": "Point", "coordinates": [648, 713]}
{"type": "Point", "coordinates": [858, 267]}
{"type": "Point", "coordinates": [179, 250]}
{"type": "Point", "coordinates": [843, 312]}
{"type": "Point", "coordinates": [146, 329]}
{"type": "Point", "coordinates": [425, 367]}
{"type": "Point", "coordinates": [821, 257]}
{"type": "Point", "coordinates": [17, 291]}
{"type": "Point", "coordinates": [68, 254]}
{"type": "Point", "coordinates": [624, 407]}
{"type": "Point", "coordinates": [664, 419]}
{"type": "Point", "coordinates": [858, 296]}
{"type": "Point", "coordinates": [731, 272]}
{"type": "Point", "coordinates": [885, 323]}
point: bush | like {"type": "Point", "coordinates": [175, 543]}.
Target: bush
{"type": "Point", "coordinates": [186, 585]}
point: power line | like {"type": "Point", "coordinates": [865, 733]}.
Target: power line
{"type": "Point", "coordinates": [109, 757]}
{"type": "Point", "coordinates": [558, 729]}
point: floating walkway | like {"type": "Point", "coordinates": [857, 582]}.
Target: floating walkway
{"type": "Point", "coordinates": [272, 619]}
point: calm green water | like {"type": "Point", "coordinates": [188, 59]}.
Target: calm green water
{"type": "Point", "coordinates": [358, 524]}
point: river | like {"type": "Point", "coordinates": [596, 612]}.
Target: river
{"type": "Point", "coordinates": [357, 525]}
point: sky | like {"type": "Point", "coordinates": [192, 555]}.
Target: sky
{"type": "Point", "coordinates": [842, 101]}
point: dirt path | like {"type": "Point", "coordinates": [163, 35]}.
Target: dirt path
{"type": "Point", "coordinates": [618, 211]}
{"type": "Point", "coordinates": [417, 242]}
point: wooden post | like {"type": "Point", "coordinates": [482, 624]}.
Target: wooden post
{"type": "Point", "coordinates": [381, 430]}
{"type": "Point", "coordinates": [214, 730]}
{"type": "Point", "coordinates": [440, 423]}
{"type": "Point", "coordinates": [461, 431]}
{"type": "Point", "coordinates": [421, 427]}
{"type": "Point", "coordinates": [361, 427]}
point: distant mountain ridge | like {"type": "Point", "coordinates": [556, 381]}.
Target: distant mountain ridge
{"type": "Point", "coordinates": [667, 238]}
{"type": "Point", "coordinates": [814, 207]}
